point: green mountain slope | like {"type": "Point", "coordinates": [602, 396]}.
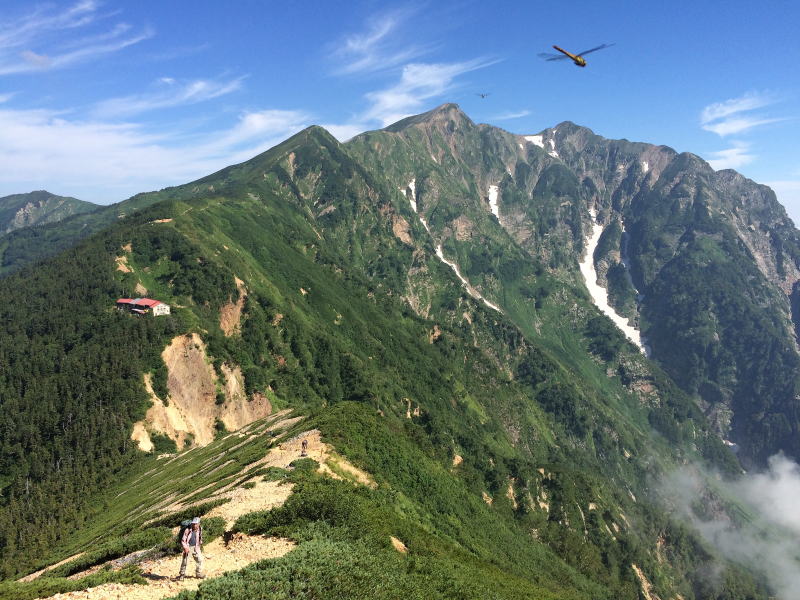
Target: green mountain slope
{"type": "Point", "coordinates": [704, 262]}
{"type": "Point", "coordinates": [514, 448]}
{"type": "Point", "coordinates": [37, 208]}
{"type": "Point", "coordinates": [716, 260]}
{"type": "Point", "coordinates": [27, 245]}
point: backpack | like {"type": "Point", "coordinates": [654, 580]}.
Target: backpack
{"type": "Point", "coordinates": [181, 530]}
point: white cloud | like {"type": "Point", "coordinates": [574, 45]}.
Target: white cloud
{"type": "Point", "coordinates": [419, 82]}
{"type": "Point", "coordinates": [172, 94]}
{"type": "Point", "coordinates": [265, 124]}
{"type": "Point", "coordinates": [38, 40]}
{"type": "Point", "coordinates": [507, 116]}
{"type": "Point", "coordinates": [376, 49]}
{"type": "Point", "coordinates": [734, 157]}
{"type": "Point", "coordinates": [104, 162]}
{"type": "Point", "coordinates": [737, 125]}
{"type": "Point", "coordinates": [380, 48]}
{"type": "Point", "coordinates": [766, 539]}
{"type": "Point", "coordinates": [749, 101]}
{"type": "Point", "coordinates": [726, 118]}
{"type": "Point", "coordinates": [775, 492]}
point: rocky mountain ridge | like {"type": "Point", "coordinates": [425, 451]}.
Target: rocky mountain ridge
{"type": "Point", "coordinates": [658, 209]}
{"type": "Point", "coordinates": [37, 208]}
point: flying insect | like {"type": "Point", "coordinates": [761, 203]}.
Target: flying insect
{"type": "Point", "coordinates": [576, 58]}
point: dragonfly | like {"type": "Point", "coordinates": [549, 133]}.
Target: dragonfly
{"type": "Point", "coordinates": [576, 58]}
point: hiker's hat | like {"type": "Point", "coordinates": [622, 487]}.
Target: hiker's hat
{"type": "Point", "coordinates": [196, 520]}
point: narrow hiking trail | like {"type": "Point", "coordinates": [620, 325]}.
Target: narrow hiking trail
{"type": "Point", "coordinates": [241, 549]}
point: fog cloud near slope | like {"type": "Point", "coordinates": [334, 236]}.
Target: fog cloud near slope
{"type": "Point", "coordinates": [770, 542]}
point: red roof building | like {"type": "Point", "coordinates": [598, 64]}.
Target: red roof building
{"type": "Point", "coordinates": [142, 306]}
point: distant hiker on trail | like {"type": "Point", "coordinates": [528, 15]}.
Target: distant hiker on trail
{"type": "Point", "coordinates": [192, 542]}
{"type": "Point", "coordinates": [304, 447]}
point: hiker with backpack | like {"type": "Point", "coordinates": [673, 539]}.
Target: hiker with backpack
{"type": "Point", "coordinates": [191, 540]}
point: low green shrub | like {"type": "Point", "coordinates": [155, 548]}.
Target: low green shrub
{"type": "Point", "coordinates": [174, 519]}
{"type": "Point", "coordinates": [317, 499]}
{"type": "Point", "coordinates": [163, 444]}
{"type": "Point", "coordinates": [114, 548]}
{"type": "Point", "coordinates": [47, 585]}
{"type": "Point", "coordinates": [274, 473]}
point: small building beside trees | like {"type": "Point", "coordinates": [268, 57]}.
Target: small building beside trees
{"type": "Point", "coordinates": [143, 306]}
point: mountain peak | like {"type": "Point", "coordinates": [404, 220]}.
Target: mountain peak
{"type": "Point", "coordinates": [38, 207]}
{"type": "Point", "coordinates": [446, 113]}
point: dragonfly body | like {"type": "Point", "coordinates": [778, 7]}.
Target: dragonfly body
{"type": "Point", "coordinates": [576, 58]}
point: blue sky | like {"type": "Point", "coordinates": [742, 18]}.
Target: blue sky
{"type": "Point", "coordinates": [101, 100]}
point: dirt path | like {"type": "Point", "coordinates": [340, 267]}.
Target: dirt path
{"type": "Point", "coordinates": [241, 549]}
{"type": "Point", "coordinates": [240, 552]}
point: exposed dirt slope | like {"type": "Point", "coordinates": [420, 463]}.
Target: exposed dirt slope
{"type": "Point", "coordinates": [230, 314]}
{"type": "Point", "coordinates": [191, 412]}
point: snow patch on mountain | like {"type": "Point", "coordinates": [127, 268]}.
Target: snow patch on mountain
{"type": "Point", "coordinates": [471, 290]}
{"type": "Point", "coordinates": [493, 192]}
{"type": "Point", "coordinates": [645, 166]}
{"type": "Point", "coordinates": [553, 152]}
{"type": "Point", "coordinates": [599, 294]}
{"type": "Point", "coordinates": [413, 197]}
{"type": "Point", "coordinates": [535, 139]}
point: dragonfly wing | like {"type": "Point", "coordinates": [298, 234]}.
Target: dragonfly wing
{"type": "Point", "coordinates": [551, 56]}
{"type": "Point", "coordinates": [595, 49]}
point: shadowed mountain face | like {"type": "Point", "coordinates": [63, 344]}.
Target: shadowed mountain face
{"type": "Point", "coordinates": [416, 294]}
{"type": "Point", "coordinates": [37, 208]}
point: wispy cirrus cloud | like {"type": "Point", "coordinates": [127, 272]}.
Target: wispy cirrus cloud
{"type": "Point", "coordinates": [509, 115]}
{"type": "Point", "coordinates": [382, 46]}
{"type": "Point", "coordinates": [728, 117]}
{"type": "Point", "coordinates": [44, 38]}
{"type": "Point", "coordinates": [376, 48]}
{"type": "Point", "coordinates": [737, 125]}
{"type": "Point", "coordinates": [736, 116]}
{"type": "Point", "coordinates": [746, 102]}
{"type": "Point", "coordinates": [418, 83]}
{"type": "Point", "coordinates": [257, 131]}
{"type": "Point", "coordinates": [103, 162]}
{"type": "Point", "coordinates": [170, 93]}
{"type": "Point", "coordinates": [736, 156]}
